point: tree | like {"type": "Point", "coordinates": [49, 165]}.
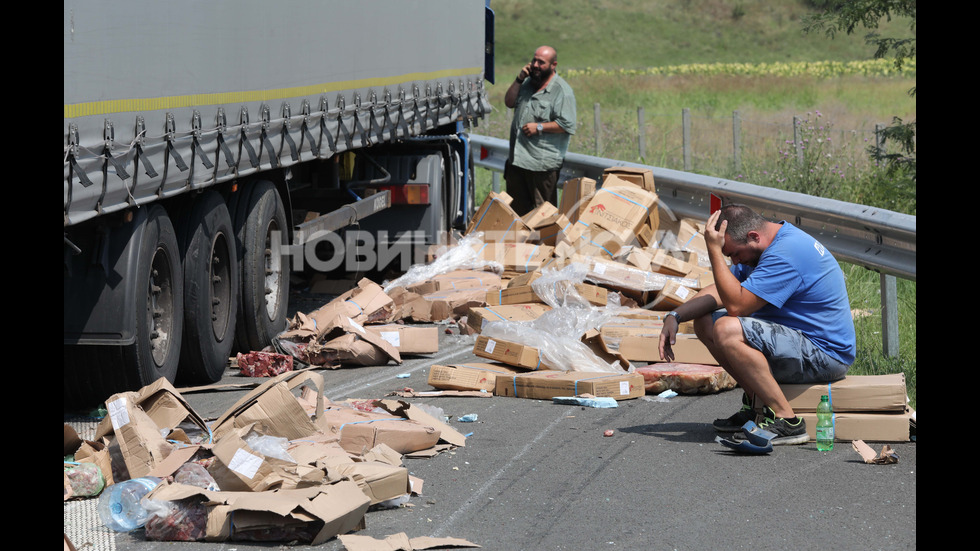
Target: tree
{"type": "Point", "coordinates": [847, 16]}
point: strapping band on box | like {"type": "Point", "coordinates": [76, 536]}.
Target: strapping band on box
{"type": "Point", "coordinates": [530, 256]}
{"type": "Point", "coordinates": [592, 379]}
{"type": "Point", "coordinates": [355, 304]}
{"type": "Point", "coordinates": [480, 221]}
{"type": "Point", "coordinates": [626, 198]}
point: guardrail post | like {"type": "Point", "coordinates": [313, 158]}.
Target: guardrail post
{"type": "Point", "coordinates": [737, 140]}
{"type": "Point", "coordinates": [889, 315]}
{"type": "Point", "coordinates": [797, 141]}
{"type": "Point", "coordinates": [686, 125]}
{"type": "Point", "coordinates": [598, 126]}
{"type": "Point", "coordinates": [642, 136]}
{"type": "Point", "coordinates": [496, 182]}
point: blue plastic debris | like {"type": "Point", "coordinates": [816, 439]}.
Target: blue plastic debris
{"type": "Point", "coordinates": [468, 418]}
{"type": "Point", "coordinates": [604, 402]}
{"type": "Point", "coordinates": [403, 375]}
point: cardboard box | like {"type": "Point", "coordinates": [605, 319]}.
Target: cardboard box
{"type": "Point", "coordinates": [867, 426]}
{"type": "Point", "coordinates": [666, 263]}
{"type": "Point", "coordinates": [240, 468]}
{"type": "Point", "coordinates": [517, 257]}
{"type": "Point", "coordinates": [523, 294]}
{"type": "Point", "coordinates": [478, 316]}
{"type": "Point", "coordinates": [620, 207]}
{"type": "Point", "coordinates": [545, 385]}
{"type": "Point", "coordinates": [672, 295]}
{"type": "Point", "coordinates": [409, 339]}
{"type": "Point", "coordinates": [687, 349]}
{"type": "Point", "coordinates": [359, 431]}
{"type": "Point", "coordinates": [456, 280]}
{"type": "Point", "coordinates": [510, 353]}
{"type": "Point", "coordinates": [469, 376]}
{"type": "Point", "coordinates": [324, 510]}
{"type": "Point", "coordinates": [538, 215]}
{"type": "Point", "coordinates": [554, 229]}
{"type": "Point", "coordinates": [441, 305]}
{"type": "Point", "coordinates": [366, 303]}
{"type": "Point", "coordinates": [498, 222]}
{"type": "Point", "coordinates": [642, 177]}
{"type": "Point", "coordinates": [274, 406]}
{"type": "Point", "coordinates": [867, 393]}
{"type": "Point", "coordinates": [575, 196]}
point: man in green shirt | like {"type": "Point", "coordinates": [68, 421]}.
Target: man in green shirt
{"type": "Point", "coordinates": [543, 123]}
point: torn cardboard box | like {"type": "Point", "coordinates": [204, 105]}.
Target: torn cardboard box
{"type": "Point", "coordinates": [455, 280]}
{"type": "Point", "coordinates": [312, 515]}
{"type": "Point", "coordinates": [498, 222]}
{"type": "Point", "coordinates": [275, 408]}
{"type": "Point", "coordinates": [409, 339]}
{"type": "Point", "coordinates": [359, 431]}
{"type": "Point", "coordinates": [240, 467]}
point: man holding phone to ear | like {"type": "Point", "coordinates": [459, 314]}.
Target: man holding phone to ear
{"type": "Point", "coordinates": [544, 121]}
{"type": "Point", "coordinates": [779, 314]}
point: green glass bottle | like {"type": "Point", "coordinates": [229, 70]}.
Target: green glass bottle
{"type": "Point", "coordinates": [825, 425]}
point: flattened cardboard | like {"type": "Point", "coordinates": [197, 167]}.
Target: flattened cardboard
{"type": "Point", "coordinates": [545, 385]}
{"type": "Point", "coordinates": [273, 406]}
{"type": "Point", "coordinates": [867, 426]}
{"type": "Point", "coordinates": [340, 506]}
{"type": "Point", "coordinates": [854, 393]}
{"type": "Point", "coordinates": [240, 468]}
{"type": "Point", "coordinates": [140, 442]}
{"type": "Point", "coordinates": [469, 376]}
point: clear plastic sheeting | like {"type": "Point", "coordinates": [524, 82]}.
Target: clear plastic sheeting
{"type": "Point", "coordinates": [557, 287]}
{"type": "Point", "coordinates": [465, 255]}
{"type": "Point", "coordinates": [557, 334]}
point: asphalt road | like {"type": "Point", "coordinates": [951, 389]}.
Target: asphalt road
{"type": "Point", "coordinates": [538, 475]}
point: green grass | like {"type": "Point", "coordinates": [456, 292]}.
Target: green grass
{"type": "Point", "coordinates": [606, 48]}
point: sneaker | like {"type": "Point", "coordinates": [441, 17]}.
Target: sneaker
{"type": "Point", "coordinates": [735, 422]}
{"type": "Point", "coordinates": [786, 433]}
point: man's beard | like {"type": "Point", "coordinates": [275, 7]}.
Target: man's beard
{"type": "Point", "coordinates": [541, 75]}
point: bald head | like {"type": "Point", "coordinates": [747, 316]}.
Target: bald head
{"type": "Point", "coordinates": [543, 65]}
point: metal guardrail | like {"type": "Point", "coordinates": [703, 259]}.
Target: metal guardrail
{"type": "Point", "coordinates": [877, 239]}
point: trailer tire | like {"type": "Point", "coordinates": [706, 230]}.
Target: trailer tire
{"type": "Point", "coordinates": [210, 261]}
{"type": "Point", "coordinates": [264, 295]}
{"type": "Point", "coordinates": [95, 372]}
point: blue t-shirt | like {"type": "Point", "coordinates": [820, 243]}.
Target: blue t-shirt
{"type": "Point", "coordinates": [804, 288]}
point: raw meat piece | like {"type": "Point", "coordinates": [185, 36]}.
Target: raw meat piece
{"type": "Point", "coordinates": [263, 364]}
{"type": "Point", "coordinates": [685, 378]}
{"type": "Point", "coordinates": [86, 479]}
{"type": "Point", "coordinates": [184, 520]}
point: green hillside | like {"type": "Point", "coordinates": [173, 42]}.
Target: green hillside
{"type": "Point", "coordinates": [651, 33]}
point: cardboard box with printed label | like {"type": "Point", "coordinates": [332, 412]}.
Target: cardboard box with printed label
{"type": "Point", "coordinates": [510, 353]}
{"type": "Point", "coordinates": [642, 177]}
{"type": "Point", "coordinates": [672, 295]}
{"type": "Point", "coordinates": [409, 339]}
{"type": "Point", "coordinates": [469, 376]}
{"type": "Point", "coordinates": [620, 207]}
{"type": "Point", "coordinates": [545, 385]}
{"type": "Point", "coordinates": [854, 393]}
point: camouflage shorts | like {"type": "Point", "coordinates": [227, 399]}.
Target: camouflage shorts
{"type": "Point", "coordinates": [793, 358]}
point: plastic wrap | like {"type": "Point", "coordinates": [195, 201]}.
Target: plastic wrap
{"type": "Point", "coordinates": [85, 479]}
{"type": "Point", "coordinates": [194, 474]}
{"type": "Point", "coordinates": [557, 335]}
{"type": "Point", "coordinates": [557, 287]}
{"type": "Point", "coordinates": [269, 446]}
{"type": "Point", "coordinates": [183, 520]}
{"type": "Point", "coordinates": [465, 255]}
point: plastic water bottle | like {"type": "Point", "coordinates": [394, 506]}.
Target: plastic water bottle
{"type": "Point", "coordinates": [825, 425]}
{"type": "Point", "coordinates": [119, 505]}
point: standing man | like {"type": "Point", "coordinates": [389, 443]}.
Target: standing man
{"type": "Point", "coordinates": [544, 120]}
{"type": "Point", "coordinates": [780, 314]}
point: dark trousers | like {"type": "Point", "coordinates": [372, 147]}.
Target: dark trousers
{"type": "Point", "coordinates": [530, 188]}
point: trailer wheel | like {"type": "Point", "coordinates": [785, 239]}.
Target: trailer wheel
{"type": "Point", "coordinates": [95, 372]}
{"type": "Point", "coordinates": [260, 224]}
{"type": "Point", "coordinates": [210, 263]}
